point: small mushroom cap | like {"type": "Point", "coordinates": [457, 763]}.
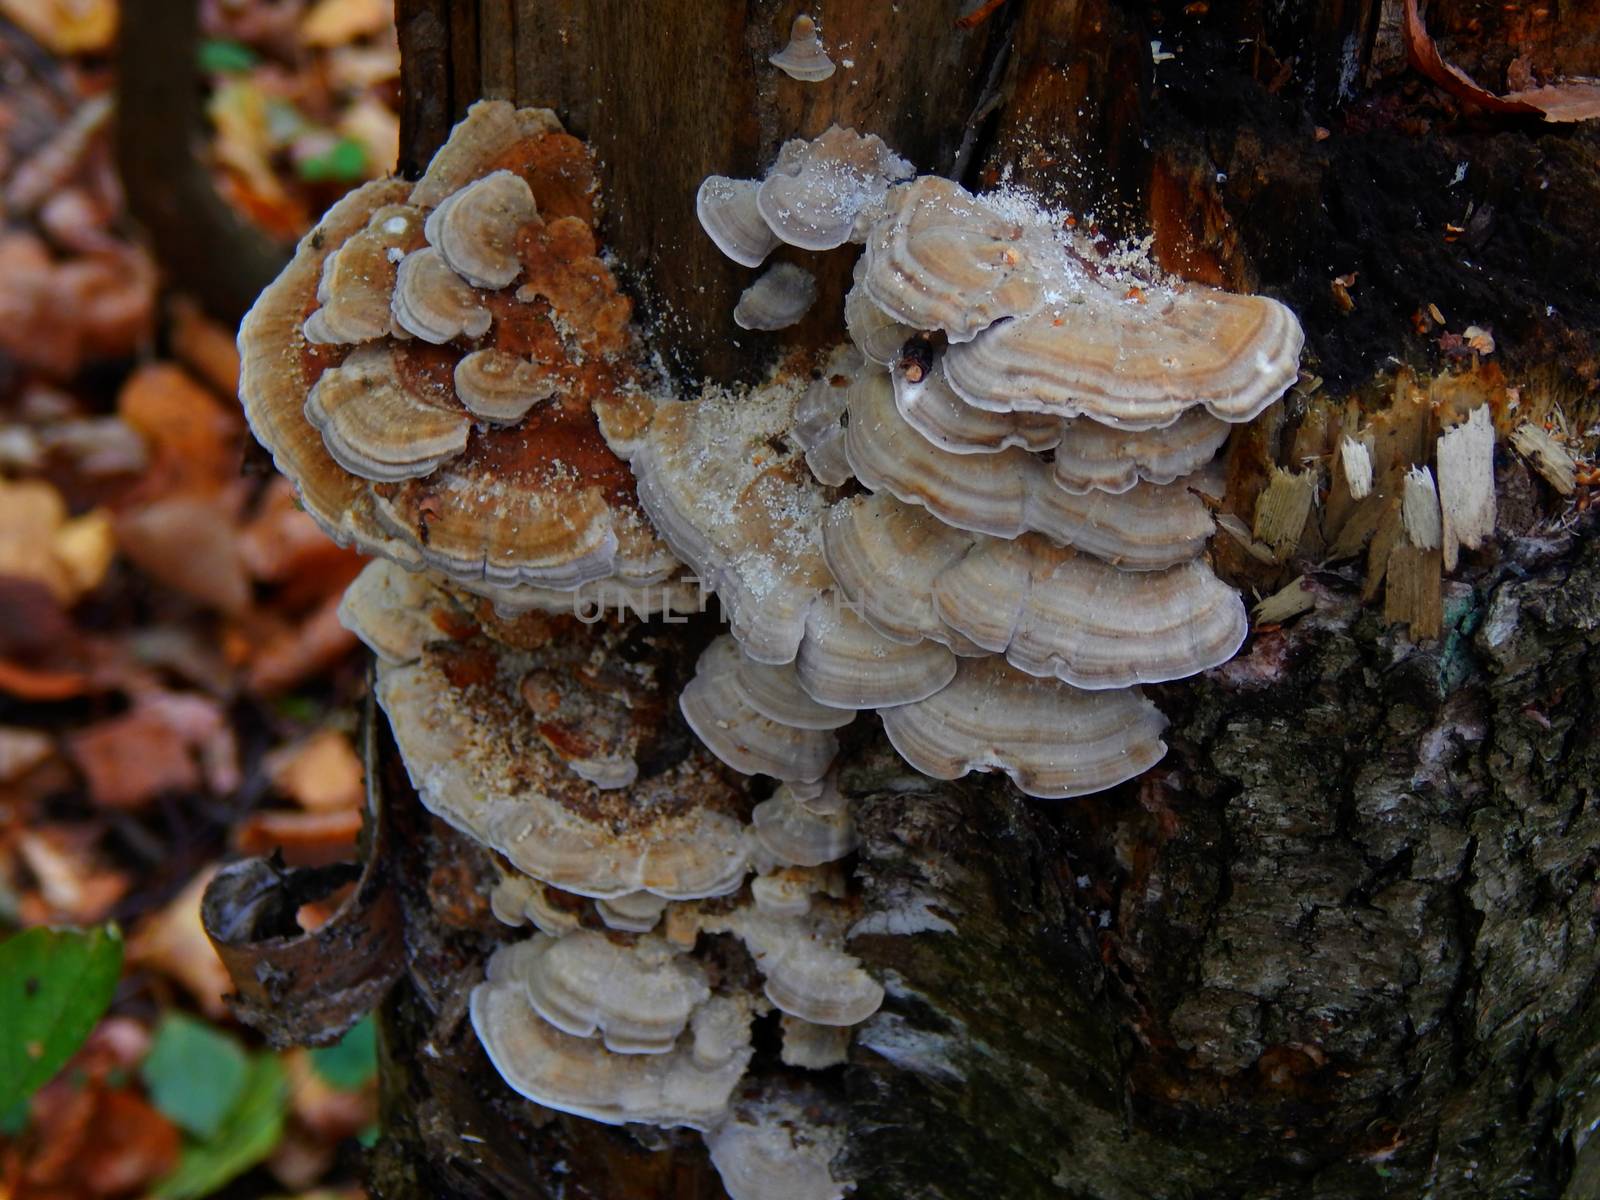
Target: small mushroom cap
{"type": "Point", "coordinates": [807, 975]}
{"type": "Point", "coordinates": [819, 418]}
{"type": "Point", "coordinates": [491, 130]}
{"type": "Point", "coordinates": [803, 58]}
{"type": "Point", "coordinates": [1011, 492]}
{"type": "Point", "coordinates": [1087, 623]}
{"type": "Point", "coordinates": [787, 892]}
{"type": "Point", "coordinates": [876, 334]}
{"type": "Point", "coordinates": [1134, 364]}
{"type": "Point", "coordinates": [728, 213]}
{"type": "Point", "coordinates": [516, 900]}
{"type": "Point", "coordinates": [775, 1155]}
{"type": "Point", "coordinates": [1053, 740]}
{"type": "Point", "coordinates": [845, 663]}
{"type": "Point", "coordinates": [358, 278]}
{"type": "Point", "coordinates": [476, 228]}
{"type": "Point", "coordinates": [433, 303]}
{"type": "Point", "coordinates": [779, 298]}
{"type": "Point", "coordinates": [382, 424]}
{"type": "Point", "coordinates": [1096, 457]}
{"type": "Point", "coordinates": [792, 833]}
{"type": "Point", "coordinates": [776, 693]}
{"type": "Point", "coordinates": [580, 1076]}
{"type": "Point", "coordinates": [719, 711]}
{"type": "Point", "coordinates": [817, 191]}
{"type": "Point", "coordinates": [636, 998]}
{"type": "Point", "coordinates": [736, 502]}
{"type": "Point", "coordinates": [396, 612]}
{"type": "Point", "coordinates": [950, 423]}
{"type": "Point", "coordinates": [941, 259]}
{"type": "Point", "coordinates": [886, 557]}
{"type": "Point", "coordinates": [501, 387]}
{"type": "Point", "coordinates": [476, 755]}
{"type": "Point", "coordinates": [637, 912]}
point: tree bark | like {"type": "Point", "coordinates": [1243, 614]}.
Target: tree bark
{"type": "Point", "coordinates": [1341, 942]}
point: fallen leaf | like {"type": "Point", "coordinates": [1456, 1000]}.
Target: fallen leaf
{"type": "Point", "coordinates": [21, 750]}
{"type": "Point", "coordinates": [304, 839]}
{"type": "Point", "coordinates": [321, 773]}
{"type": "Point", "coordinates": [188, 543]}
{"type": "Point", "coordinates": [54, 986]}
{"type": "Point", "coordinates": [66, 26]}
{"type": "Point", "coordinates": [173, 942]}
{"type": "Point", "coordinates": [334, 22]}
{"type": "Point", "coordinates": [299, 653]}
{"type": "Point", "coordinates": [194, 440]}
{"type": "Point", "coordinates": [128, 761]}
{"type": "Point", "coordinates": [1575, 99]}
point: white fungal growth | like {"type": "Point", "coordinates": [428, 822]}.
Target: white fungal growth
{"type": "Point", "coordinates": [804, 58]}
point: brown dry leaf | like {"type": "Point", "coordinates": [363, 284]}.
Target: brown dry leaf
{"type": "Point", "coordinates": [66, 26]}
{"type": "Point", "coordinates": [21, 750]}
{"type": "Point", "coordinates": [39, 542]}
{"type": "Point", "coordinates": [194, 439]}
{"type": "Point", "coordinates": [298, 653]}
{"type": "Point", "coordinates": [74, 884]}
{"type": "Point", "coordinates": [322, 773]}
{"type": "Point", "coordinates": [335, 22]}
{"type": "Point", "coordinates": [306, 839]}
{"type": "Point", "coordinates": [282, 543]}
{"type": "Point", "coordinates": [188, 543]}
{"type": "Point", "coordinates": [129, 760]}
{"type": "Point", "coordinates": [204, 346]}
{"type": "Point", "coordinates": [1575, 99]}
{"type": "Point", "coordinates": [173, 942]}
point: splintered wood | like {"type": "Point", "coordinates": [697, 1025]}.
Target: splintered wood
{"type": "Point", "coordinates": [1548, 456]}
{"type": "Point", "coordinates": [1413, 594]}
{"type": "Point", "coordinates": [1465, 461]}
{"type": "Point", "coordinates": [1283, 509]}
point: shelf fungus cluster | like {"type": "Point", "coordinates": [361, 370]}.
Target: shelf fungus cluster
{"type": "Point", "coordinates": [987, 519]}
{"type": "Point", "coordinates": [984, 519]}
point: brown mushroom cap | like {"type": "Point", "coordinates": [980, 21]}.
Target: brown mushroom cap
{"type": "Point", "coordinates": [543, 505]}
{"type": "Point", "coordinates": [481, 760]}
{"type": "Point", "coordinates": [578, 1075]}
{"type": "Point", "coordinates": [501, 387]}
{"type": "Point", "coordinates": [940, 259]}
{"type": "Point", "coordinates": [819, 418]}
{"type": "Point", "coordinates": [817, 189]}
{"type": "Point", "coordinates": [492, 131]}
{"type": "Point", "coordinates": [1051, 739]}
{"type": "Point", "coordinates": [476, 227]}
{"type": "Point", "coordinates": [433, 303]}
{"type": "Point", "coordinates": [875, 333]}
{"type": "Point", "coordinates": [735, 501]}
{"type": "Point", "coordinates": [381, 424]}
{"type": "Point", "coordinates": [358, 278]}
{"type": "Point", "coordinates": [1135, 363]}
{"type": "Point", "coordinates": [719, 708]}
{"type": "Point", "coordinates": [396, 612]}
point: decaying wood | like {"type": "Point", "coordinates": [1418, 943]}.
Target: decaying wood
{"type": "Point", "coordinates": [1342, 942]}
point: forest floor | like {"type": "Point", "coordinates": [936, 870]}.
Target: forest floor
{"type": "Point", "coordinates": [175, 688]}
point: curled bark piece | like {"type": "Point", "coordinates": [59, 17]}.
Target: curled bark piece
{"type": "Point", "coordinates": [297, 988]}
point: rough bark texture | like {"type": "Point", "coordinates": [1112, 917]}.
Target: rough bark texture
{"type": "Point", "coordinates": [1342, 942]}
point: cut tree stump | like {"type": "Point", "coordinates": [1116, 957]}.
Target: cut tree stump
{"type": "Point", "coordinates": [1341, 943]}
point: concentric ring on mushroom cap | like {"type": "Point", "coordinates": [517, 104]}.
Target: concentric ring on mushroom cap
{"type": "Point", "coordinates": [1136, 363]}
{"type": "Point", "coordinates": [474, 752]}
{"type": "Point", "coordinates": [725, 716]}
{"type": "Point", "coordinates": [557, 511]}
{"type": "Point", "coordinates": [1053, 740]}
{"type": "Point", "coordinates": [580, 1076]}
{"type": "Point", "coordinates": [1011, 492]}
{"type": "Point", "coordinates": [815, 192]}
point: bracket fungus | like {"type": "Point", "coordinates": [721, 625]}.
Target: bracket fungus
{"type": "Point", "coordinates": [982, 519]}
{"type": "Point", "coordinates": [803, 57]}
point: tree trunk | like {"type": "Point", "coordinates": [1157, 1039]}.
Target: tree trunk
{"type": "Point", "coordinates": [1341, 942]}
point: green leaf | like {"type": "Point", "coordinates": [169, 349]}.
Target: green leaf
{"type": "Point", "coordinates": [194, 1074]}
{"type": "Point", "coordinates": [344, 161]}
{"type": "Point", "coordinates": [352, 1060]}
{"type": "Point", "coordinates": [54, 986]}
{"type": "Point", "coordinates": [247, 1134]}
{"type": "Point", "coordinates": [222, 56]}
